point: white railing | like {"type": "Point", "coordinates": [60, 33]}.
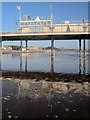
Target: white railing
{"type": "Point", "coordinates": [56, 28]}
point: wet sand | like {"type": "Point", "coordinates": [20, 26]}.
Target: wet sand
{"type": "Point", "coordinates": [29, 99]}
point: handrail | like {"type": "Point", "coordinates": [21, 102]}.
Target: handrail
{"type": "Point", "coordinates": [44, 32]}
{"type": "Point", "coordinates": [83, 28]}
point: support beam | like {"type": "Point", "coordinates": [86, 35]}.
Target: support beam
{"type": "Point", "coordinates": [80, 51]}
{"type": "Point", "coordinates": [0, 55]}
{"type": "Point", "coordinates": [80, 65]}
{"type": "Point", "coordinates": [21, 46]}
{"type": "Point", "coordinates": [84, 48]}
{"type": "Point", "coordinates": [0, 42]}
{"type": "Point", "coordinates": [0, 46]}
{"type": "Point", "coordinates": [52, 47]}
{"type": "Point", "coordinates": [26, 63]}
{"type": "Point", "coordinates": [84, 61]}
{"type": "Point", "coordinates": [52, 59]}
{"type": "Point", "coordinates": [26, 45]}
{"type": "Point", "coordinates": [84, 67]}
{"type": "Point", "coordinates": [52, 67]}
{"type": "Point", "coordinates": [21, 55]}
{"type": "Point", "coordinates": [21, 61]}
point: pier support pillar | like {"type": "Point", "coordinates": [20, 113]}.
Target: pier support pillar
{"type": "Point", "coordinates": [80, 51]}
{"type": "Point", "coordinates": [84, 67]}
{"type": "Point", "coordinates": [84, 61]}
{"type": "Point", "coordinates": [26, 45]}
{"type": "Point", "coordinates": [21, 46]}
{"type": "Point", "coordinates": [26, 63]}
{"type": "Point", "coordinates": [52, 68]}
{"type": "Point", "coordinates": [0, 46]}
{"type": "Point", "coordinates": [21, 61]}
{"type": "Point", "coordinates": [80, 66]}
{"type": "Point", "coordinates": [52, 47]}
{"type": "Point", "coordinates": [21, 55]}
{"type": "Point", "coordinates": [84, 48]}
{"type": "Point", "coordinates": [52, 59]}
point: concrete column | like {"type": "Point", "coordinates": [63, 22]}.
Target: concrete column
{"type": "Point", "coordinates": [52, 67]}
{"type": "Point", "coordinates": [80, 51]}
{"type": "Point", "coordinates": [0, 63]}
{"type": "Point", "coordinates": [84, 48]}
{"type": "Point", "coordinates": [26, 63]}
{"type": "Point", "coordinates": [0, 46]}
{"type": "Point", "coordinates": [80, 57]}
{"type": "Point", "coordinates": [21, 61]}
{"type": "Point", "coordinates": [21, 55]}
{"type": "Point", "coordinates": [84, 66]}
{"type": "Point", "coordinates": [26, 45]}
{"type": "Point", "coordinates": [52, 59]}
{"type": "Point", "coordinates": [88, 56]}
{"type": "Point", "coordinates": [52, 47]}
{"type": "Point", "coordinates": [21, 46]}
{"type": "Point", "coordinates": [0, 56]}
{"type": "Point", "coordinates": [80, 66]}
{"type": "Point", "coordinates": [0, 42]}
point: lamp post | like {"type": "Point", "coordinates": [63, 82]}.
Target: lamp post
{"type": "Point", "coordinates": [52, 39]}
{"type": "Point", "coordinates": [16, 26]}
{"type": "Point", "coordinates": [51, 16]}
{"type": "Point", "coordinates": [19, 10]}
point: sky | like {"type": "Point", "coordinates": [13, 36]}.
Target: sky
{"type": "Point", "coordinates": [73, 11]}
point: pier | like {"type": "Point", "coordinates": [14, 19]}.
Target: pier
{"type": "Point", "coordinates": [43, 30]}
{"type": "Point", "coordinates": [38, 30]}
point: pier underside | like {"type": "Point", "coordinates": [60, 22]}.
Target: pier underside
{"type": "Point", "coordinates": [45, 37]}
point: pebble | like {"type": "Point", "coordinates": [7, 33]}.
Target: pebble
{"type": "Point", "coordinates": [74, 110]}
{"type": "Point", "coordinates": [8, 96]}
{"type": "Point", "coordinates": [70, 95]}
{"type": "Point", "coordinates": [16, 117]}
{"type": "Point", "coordinates": [58, 102]}
{"type": "Point", "coordinates": [47, 115]}
{"type": "Point", "coordinates": [66, 109]}
{"type": "Point", "coordinates": [70, 101]}
{"type": "Point", "coordinates": [81, 99]}
{"type": "Point", "coordinates": [8, 112]}
{"type": "Point", "coordinates": [7, 109]}
{"type": "Point", "coordinates": [9, 116]}
{"type": "Point", "coordinates": [6, 99]}
{"type": "Point", "coordinates": [56, 116]}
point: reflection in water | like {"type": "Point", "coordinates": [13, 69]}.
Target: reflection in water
{"type": "Point", "coordinates": [0, 62]}
{"type": "Point", "coordinates": [52, 66]}
{"type": "Point", "coordinates": [45, 62]}
{"type": "Point", "coordinates": [38, 97]}
{"type": "Point", "coordinates": [84, 66]}
{"type": "Point", "coordinates": [26, 63]}
{"type": "Point", "coordinates": [21, 61]}
{"type": "Point", "coordinates": [45, 99]}
{"type": "Point", "coordinates": [82, 63]}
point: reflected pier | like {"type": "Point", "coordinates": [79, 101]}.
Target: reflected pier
{"type": "Point", "coordinates": [21, 61]}
{"type": "Point", "coordinates": [26, 63]}
{"type": "Point", "coordinates": [82, 64]}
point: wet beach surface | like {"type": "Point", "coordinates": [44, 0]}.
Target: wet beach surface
{"type": "Point", "coordinates": [31, 90]}
{"type": "Point", "coordinates": [28, 98]}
